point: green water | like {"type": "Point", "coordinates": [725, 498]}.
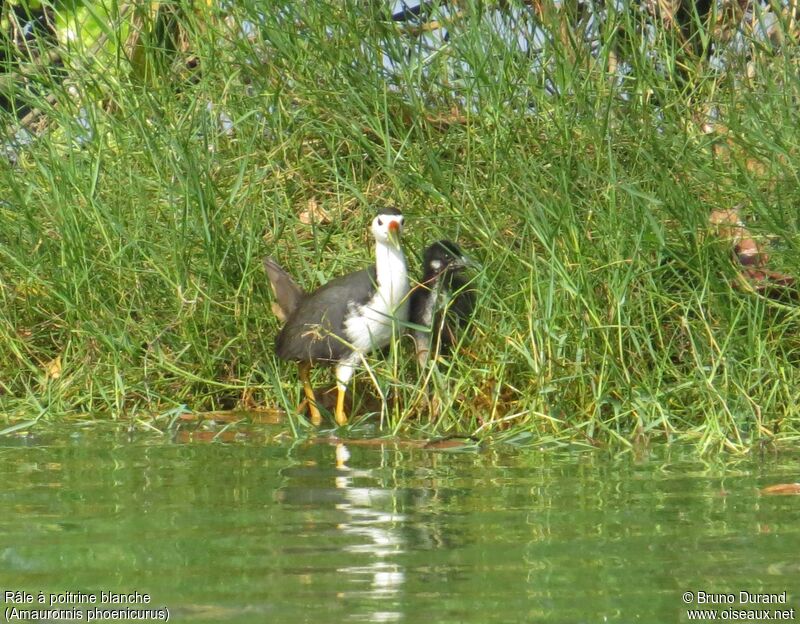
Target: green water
{"type": "Point", "coordinates": [265, 532]}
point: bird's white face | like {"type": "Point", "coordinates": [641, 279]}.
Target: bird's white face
{"type": "Point", "coordinates": [386, 228]}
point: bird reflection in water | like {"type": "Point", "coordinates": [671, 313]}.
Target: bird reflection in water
{"type": "Point", "coordinates": [377, 532]}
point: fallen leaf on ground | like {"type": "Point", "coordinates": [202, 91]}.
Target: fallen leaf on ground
{"type": "Point", "coordinates": [782, 489]}
{"type": "Point", "coordinates": [314, 213]}
{"type": "Point", "coordinates": [53, 368]}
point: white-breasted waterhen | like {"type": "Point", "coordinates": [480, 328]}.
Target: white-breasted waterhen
{"type": "Point", "coordinates": [349, 316]}
{"type": "Point", "coordinates": [442, 302]}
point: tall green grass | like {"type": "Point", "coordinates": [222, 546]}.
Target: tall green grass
{"type": "Point", "coordinates": [130, 260]}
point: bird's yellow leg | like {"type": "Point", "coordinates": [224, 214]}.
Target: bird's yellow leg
{"type": "Point", "coordinates": [316, 417]}
{"type": "Point", "coordinates": [344, 371]}
{"type": "Point", "coordinates": [341, 418]}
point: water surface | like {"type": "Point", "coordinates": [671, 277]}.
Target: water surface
{"type": "Point", "coordinates": [259, 531]}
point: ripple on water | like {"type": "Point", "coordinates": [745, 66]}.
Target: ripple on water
{"type": "Point", "coordinates": [246, 531]}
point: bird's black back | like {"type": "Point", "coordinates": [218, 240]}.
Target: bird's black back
{"type": "Point", "coordinates": [315, 330]}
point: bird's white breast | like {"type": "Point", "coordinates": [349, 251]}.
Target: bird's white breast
{"type": "Point", "coordinates": [370, 326]}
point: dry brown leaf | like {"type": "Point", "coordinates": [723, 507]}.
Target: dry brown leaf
{"type": "Point", "coordinates": [730, 227]}
{"type": "Point", "coordinates": [782, 489]}
{"type": "Point", "coordinates": [749, 253]}
{"type": "Point", "coordinates": [314, 213]}
{"type": "Point", "coordinates": [53, 368]}
{"type": "Point", "coordinates": [777, 286]}
{"type": "Point", "coordinates": [729, 223]}
{"type": "Point", "coordinates": [756, 167]}
{"type": "Point", "coordinates": [749, 256]}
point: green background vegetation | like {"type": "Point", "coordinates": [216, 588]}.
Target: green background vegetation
{"type": "Point", "coordinates": [130, 256]}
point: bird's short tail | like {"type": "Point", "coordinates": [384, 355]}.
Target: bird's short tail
{"type": "Point", "coordinates": [287, 293]}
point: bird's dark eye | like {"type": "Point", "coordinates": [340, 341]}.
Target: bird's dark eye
{"type": "Point", "coordinates": [380, 222]}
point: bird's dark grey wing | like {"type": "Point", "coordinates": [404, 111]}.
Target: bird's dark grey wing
{"type": "Point", "coordinates": [287, 293]}
{"type": "Point", "coordinates": [315, 331]}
